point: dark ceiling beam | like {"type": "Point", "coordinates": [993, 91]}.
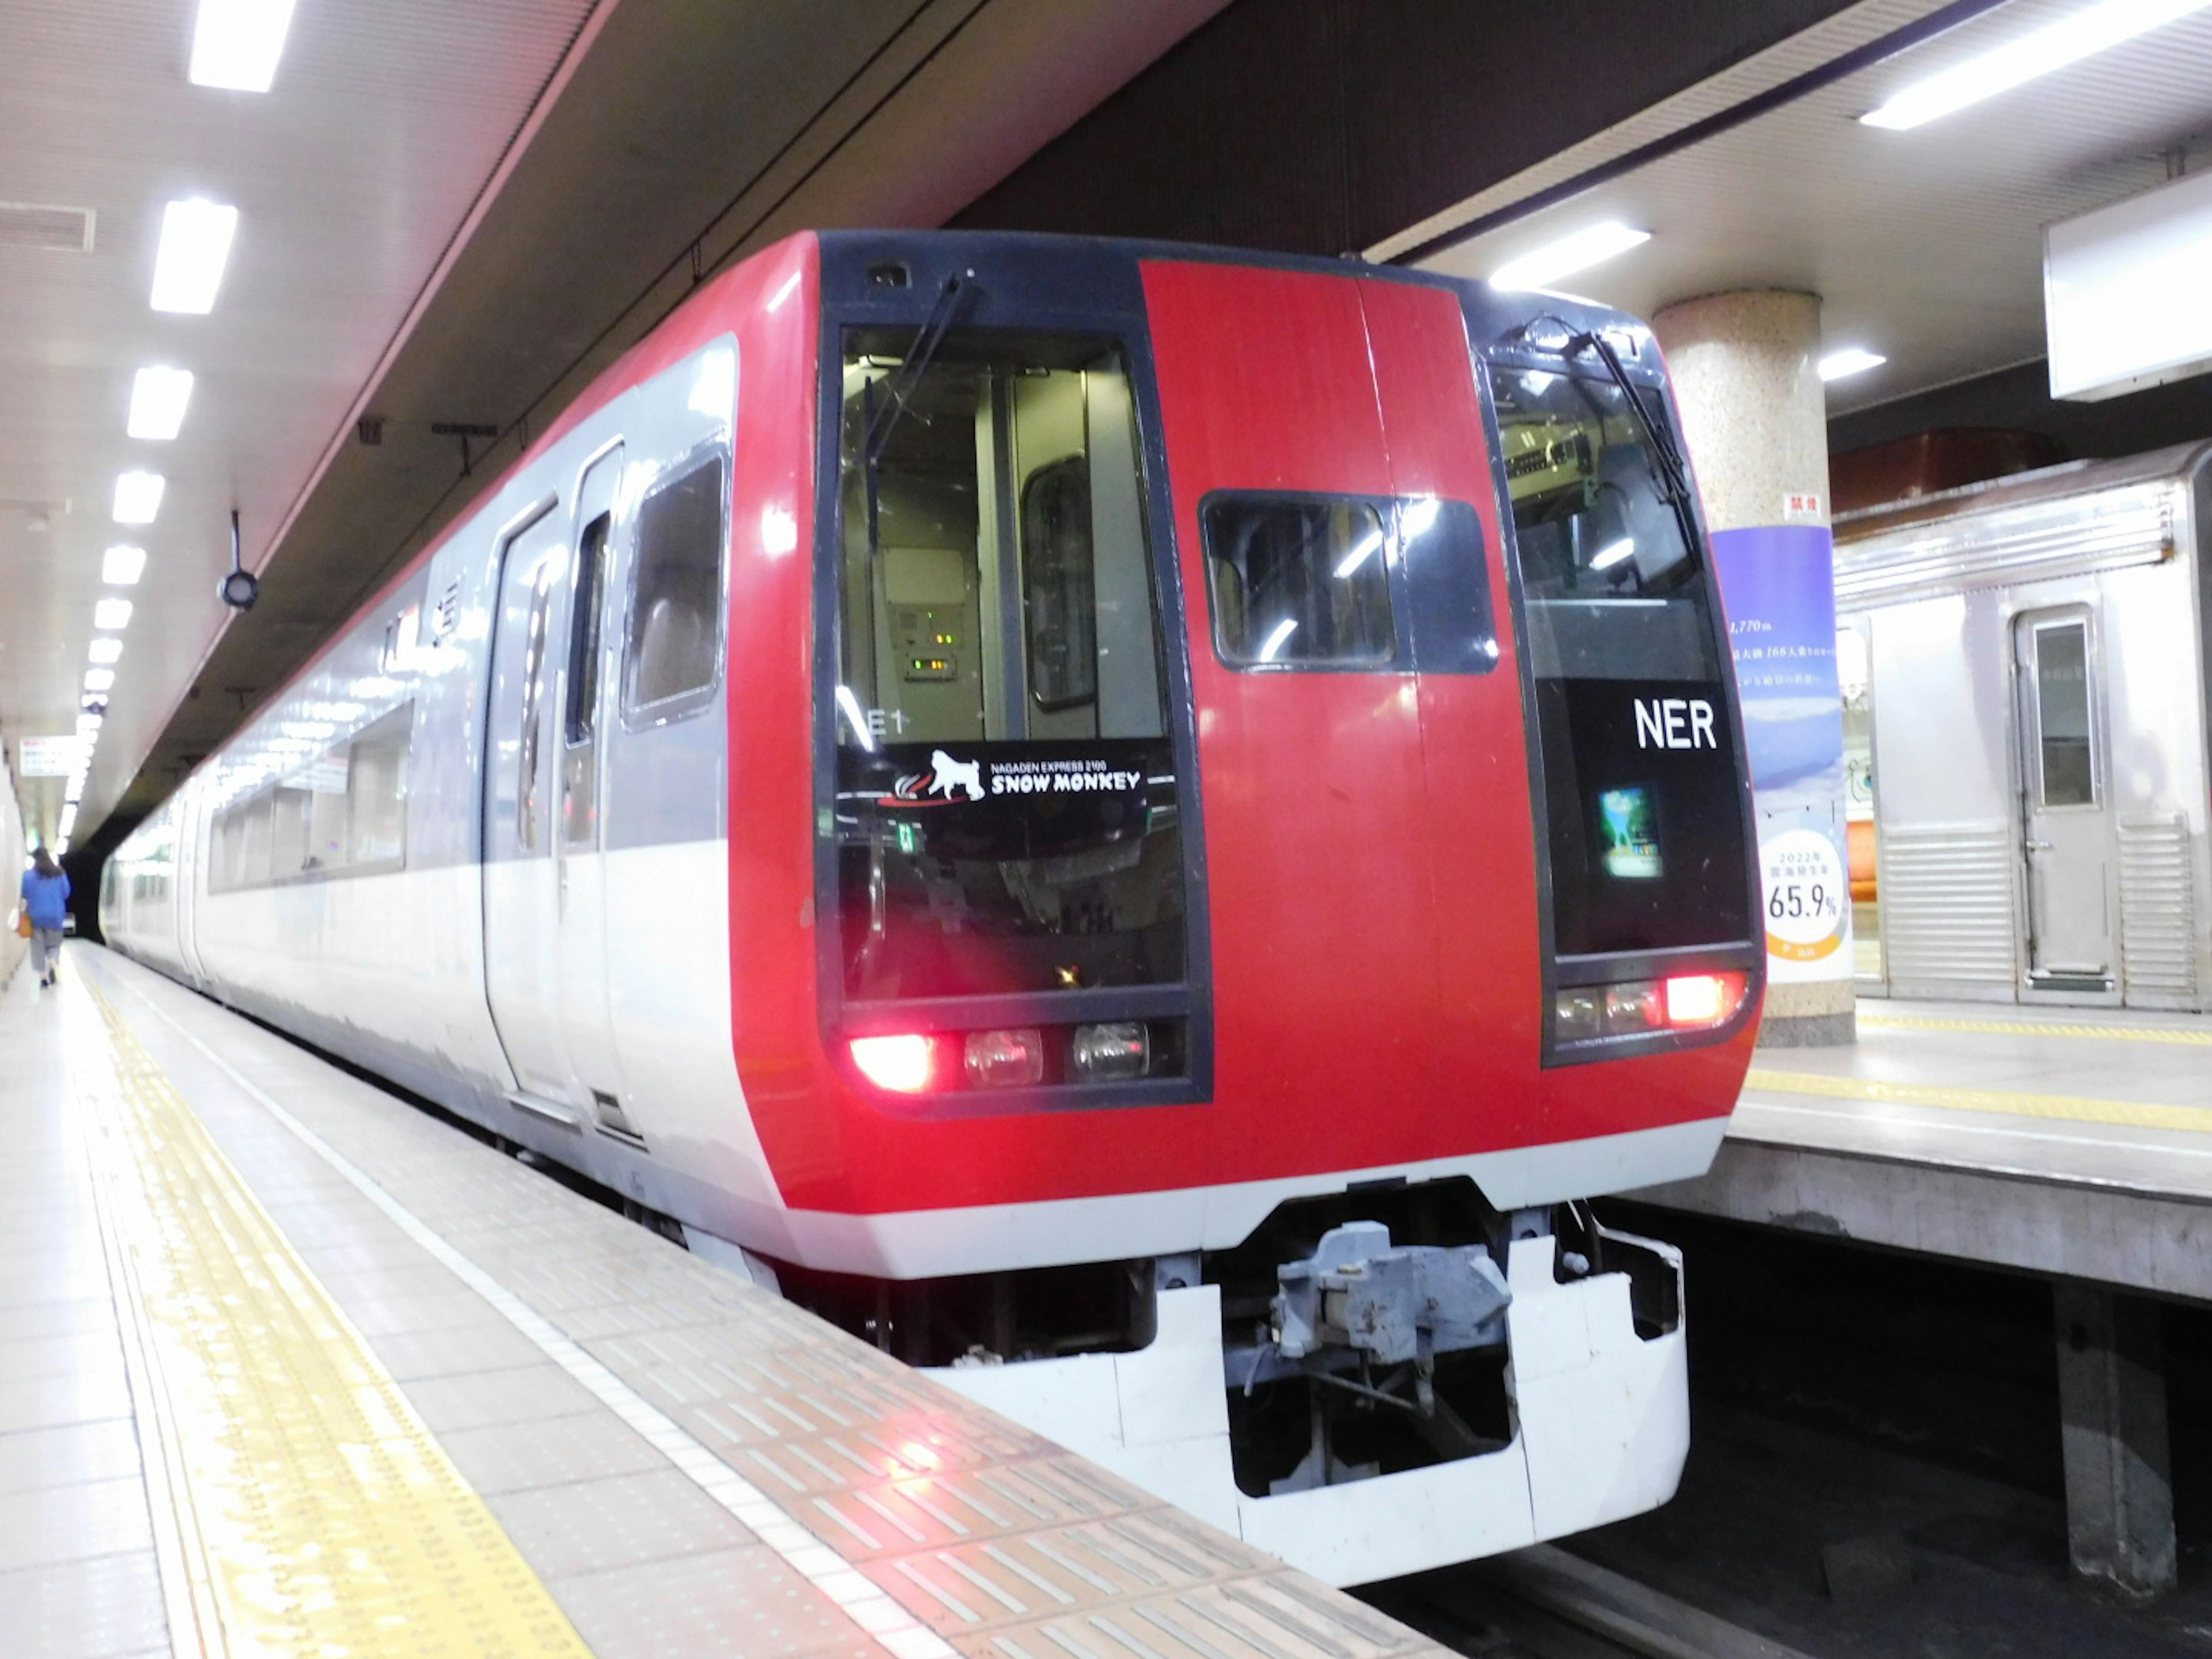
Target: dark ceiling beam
{"type": "Point", "coordinates": [1319, 126]}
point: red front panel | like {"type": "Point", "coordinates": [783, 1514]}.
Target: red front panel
{"type": "Point", "coordinates": [1368, 837]}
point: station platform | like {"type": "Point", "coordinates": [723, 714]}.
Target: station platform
{"type": "Point", "coordinates": [290, 1366]}
{"type": "Point", "coordinates": [2075, 1143]}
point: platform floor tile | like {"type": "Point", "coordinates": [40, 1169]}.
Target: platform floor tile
{"type": "Point", "coordinates": [688, 1464]}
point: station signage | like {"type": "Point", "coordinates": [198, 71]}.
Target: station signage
{"type": "Point", "coordinates": [51, 757]}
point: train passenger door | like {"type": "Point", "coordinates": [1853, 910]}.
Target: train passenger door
{"type": "Point", "coordinates": [580, 882]}
{"type": "Point", "coordinates": [522, 817]}
{"type": "Point", "coordinates": [2066, 835]}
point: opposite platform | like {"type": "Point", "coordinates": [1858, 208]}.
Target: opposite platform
{"type": "Point", "coordinates": [288, 1366]}
{"type": "Point", "coordinates": [2073, 1142]}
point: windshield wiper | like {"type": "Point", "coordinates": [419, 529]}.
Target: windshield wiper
{"type": "Point", "coordinates": [1668, 460]}
{"type": "Point", "coordinates": [927, 339]}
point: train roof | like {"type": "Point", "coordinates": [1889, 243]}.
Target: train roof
{"type": "Point", "coordinates": [2047, 483]}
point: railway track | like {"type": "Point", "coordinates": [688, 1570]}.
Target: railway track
{"type": "Point", "coordinates": [1545, 1603]}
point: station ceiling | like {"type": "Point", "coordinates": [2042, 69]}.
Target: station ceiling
{"type": "Point", "coordinates": [1926, 246]}
{"type": "Point", "coordinates": [448, 215]}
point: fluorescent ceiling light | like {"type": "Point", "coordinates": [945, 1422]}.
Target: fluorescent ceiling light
{"type": "Point", "coordinates": [195, 246]}
{"type": "Point", "coordinates": [1284, 630]}
{"type": "Point", "coordinates": [112, 615]}
{"type": "Point", "coordinates": [99, 679]}
{"type": "Point", "coordinates": [158, 396]}
{"type": "Point", "coordinates": [1591, 246]}
{"type": "Point", "coordinates": [1839, 365]}
{"type": "Point", "coordinates": [2052, 47]}
{"type": "Point", "coordinates": [104, 652]}
{"type": "Point", "coordinates": [1613, 553]}
{"type": "Point", "coordinates": [121, 566]}
{"type": "Point", "coordinates": [61, 848]}
{"type": "Point", "coordinates": [236, 43]}
{"type": "Point", "coordinates": [139, 498]}
{"type": "Point", "coordinates": [67, 827]}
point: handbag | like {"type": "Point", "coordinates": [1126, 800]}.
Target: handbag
{"type": "Point", "coordinates": [23, 922]}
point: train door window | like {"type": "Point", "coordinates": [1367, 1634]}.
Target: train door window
{"type": "Point", "coordinates": [1298, 581]}
{"type": "Point", "coordinates": [1059, 599]}
{"type": "Point", "coordinates": [674, 645]}
{"type": "Point", "coordinates": [584, 631]}
{"type": "Point", "coordinates": [530, 759]}
{"type": "Point", "coordinates": [2065, 760]}
{"type": "Point", "coordinates": [999, 652]}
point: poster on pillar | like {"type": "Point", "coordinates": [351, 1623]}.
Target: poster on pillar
{"type": "Point", "coordinates": [1777, 586]}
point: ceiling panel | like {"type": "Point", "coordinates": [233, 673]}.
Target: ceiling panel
{"type": "Point", "coordinates": [351, 176]}
{"type": "Point", "coordinates": [1926, 246]}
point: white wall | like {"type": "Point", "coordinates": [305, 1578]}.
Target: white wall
{"type": "Point", "coordinates": [12, 865]}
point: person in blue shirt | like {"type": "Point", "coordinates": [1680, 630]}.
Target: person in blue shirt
{"type": "Point", "coordinates": [45, 895]}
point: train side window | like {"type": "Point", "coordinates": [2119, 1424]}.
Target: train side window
{"type": "Point", "coordinates": [674, 645]}
{"type": "Point", "coordinates": [376, 791]}
{"type": "Point", "coordinates": [1298, 581]}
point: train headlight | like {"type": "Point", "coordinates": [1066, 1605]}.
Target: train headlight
{"type": "Point", "coordinates": [1110, 1053]}
{"type": "Point", "coordinates": [1635, 1006]}
{"type": "Point", "coordinates": [902, 1064]}
{"type": "Point", "coordinates": [1687, 1002]}
{"type": "Point", "coordinates": [1695, 999]}
{"type": "Point", "coordinates": [1579, 1014]}
{"type": "Point", "coordinates": [1002, 1060]}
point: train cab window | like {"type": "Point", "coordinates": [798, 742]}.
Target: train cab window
{"type": "Point", "coordinates": [674, 646]}
{"type": "Point", "coordinates": [1005, 797]}
{"type": "Point", "coordinates": [1298, 582]}
{"type": "Point", "coordinates": [1642, 824]}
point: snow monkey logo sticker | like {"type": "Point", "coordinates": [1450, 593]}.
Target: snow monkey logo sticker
{"type": "Point", "coordinates": [936, 787]}
{"type": "Point", "coordinates": [948, 782]}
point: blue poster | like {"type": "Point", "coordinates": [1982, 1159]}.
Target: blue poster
{"type": "Point", "coordinates": [1778, 590]}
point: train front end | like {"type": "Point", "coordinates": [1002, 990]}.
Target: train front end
{"type": "Point", "coordinates": [1276, 842]}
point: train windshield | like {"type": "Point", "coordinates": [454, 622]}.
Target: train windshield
{"type": "Point", "coordinates": [1645, 834]}
{"type": "Point", "coordinates": [1005, 810]}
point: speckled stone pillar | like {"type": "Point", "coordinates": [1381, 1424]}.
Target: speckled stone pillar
{"type": "Point", "coordinates": [1745, 366]}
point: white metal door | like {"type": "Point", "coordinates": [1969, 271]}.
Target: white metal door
{"type": "Point", "coordinates": [579, 853]}
{"type": "Point", "coordinates": [2065, 818]}
{"type": "Point", "coordinates": [521, 823]}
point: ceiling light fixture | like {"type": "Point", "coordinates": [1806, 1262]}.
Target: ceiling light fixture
{"type": "Point", "coordinates": [121, 566]}
{"type": "Point", "coordinates": [2067, 41]}
{"type": "Point", "coordinates": [99, 679]}
{"type": "Point", "coordinates": [195, 247]}
{"type": "Point", "coordinates": [1852, 360]}
{"type": "Point", "coordinates": [104, 652]}
{"type": "Point", "coordinates": [158, 396]}
{"type": "Point", "coordinates": [1593, 244]}
{"type": "Point", "coordinates": [236, 43]}
{"type": "Point", "coordinates": [139, 498]}
{"type": "Point", "coordinates": [111, 615]}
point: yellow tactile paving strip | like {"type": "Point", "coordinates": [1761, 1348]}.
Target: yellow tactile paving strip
{"type": "Point", "coordinates": [2079, 1109]}
{"type": "Point", "coordinates": [316, 1514]}
{"type": "Point", "coordinates": [2037, 1028]}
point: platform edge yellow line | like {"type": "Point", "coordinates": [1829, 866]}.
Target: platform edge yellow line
{"type": "Point", "coordinates": [2078, 1108]}
{"type": "Point", "coordinates": [315, 1511]}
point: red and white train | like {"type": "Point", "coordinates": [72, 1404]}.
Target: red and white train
{"type": "Point", "coordinates": [1136, 824]}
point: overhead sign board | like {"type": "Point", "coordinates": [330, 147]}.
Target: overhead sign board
{"type": "Point", "coordinates": [2124, 292]}
{"type": "Point", "coordinates": [51, 757]}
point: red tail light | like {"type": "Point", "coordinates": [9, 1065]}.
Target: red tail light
{"type": "Point", "coordinates": [1694, 999]}
{"type": "Point", "coordinates": [902, 1064]}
